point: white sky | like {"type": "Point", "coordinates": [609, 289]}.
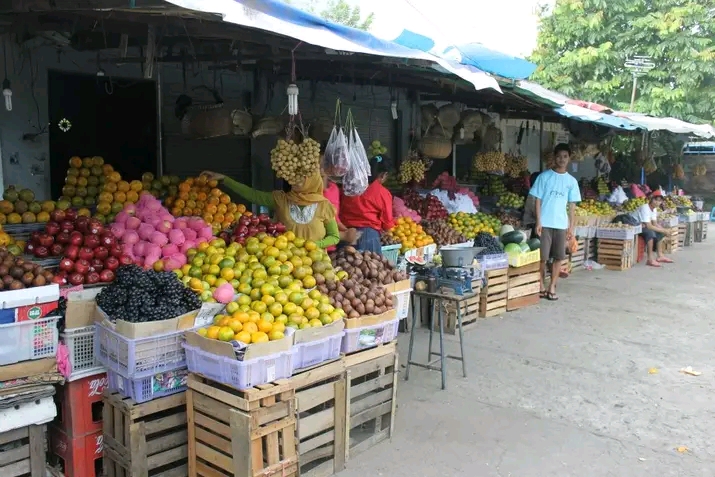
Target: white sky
{"type": "Point", "coordinates": [509, 26]}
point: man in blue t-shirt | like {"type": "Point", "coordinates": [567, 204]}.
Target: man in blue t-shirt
{"type": "Point", "coordinates": [555, 191]}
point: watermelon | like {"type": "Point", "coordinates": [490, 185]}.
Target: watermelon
{"type": "Point", "coordinates": [505, 229]}
{"type": "Point", "coordinates": [512, 248]}
{"type": "Point", "coordinates": [534, 244]}
{"type": "Point", "coordinates": [524, 247]}
{"type": "Point", "coordinates": [512, 237]}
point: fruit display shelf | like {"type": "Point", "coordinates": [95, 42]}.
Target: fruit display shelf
{"type": "Point", "coordinates": [23, 231]}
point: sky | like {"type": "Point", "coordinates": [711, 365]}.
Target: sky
{"type": "Point", "coordinates": [509, 26]}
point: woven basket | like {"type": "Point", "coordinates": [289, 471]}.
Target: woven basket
{"type": "Point", "coordinates": [269, 126]}
{"type": "Point", "coordinates": [449, 115]}
{"type": "Point", "coordinates": [208, 121]}
{"type": "Point", "coordinates": [436, 147]}
{"type": "Point", "coordinates": [242, 122]}
{"type": "Point", "coordinates": [429, 114]}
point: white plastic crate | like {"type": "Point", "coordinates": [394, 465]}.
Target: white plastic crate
{"type": "Point", "coordinates": [315, 352]}
{"type": "Point", "coordinates": [356, 339]}
{"type": "Point", "coordinates": [33, 339]}
{"type": "Point", "coordinates": [402, 304]}
{"type": "Point", "coordinates": [239, 374]}
{"type": "Point", "coordinates": [80, 345]}
{"type": "Point", "coordinates": [615, 234]}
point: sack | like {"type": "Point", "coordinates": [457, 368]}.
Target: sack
{"type": "Point", "coordinates": [355, 181]}
{"type": "Point", "coordinates": [336, 159]}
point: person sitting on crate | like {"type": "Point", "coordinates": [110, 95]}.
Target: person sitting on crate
{"type": "Point", "coordinates": [653, 234]}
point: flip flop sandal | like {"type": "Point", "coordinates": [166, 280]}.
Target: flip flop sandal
{"type": "Point", "coordinates": [654, 264]}
{"type": "Point", "coordinates": [665, 260]}
{"type": "Point", "coordinates": [552, 296]}
{"type": "Point", "coordinates": [542, 294]}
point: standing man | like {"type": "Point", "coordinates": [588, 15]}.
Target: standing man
{"type": "Point", "coordinates": [652, 233]}
{"type": "Point", "coordinates": [555, 191]}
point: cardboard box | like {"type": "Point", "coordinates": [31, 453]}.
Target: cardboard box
{"type": "Point", "coordinates": [314, 334]}
{"type": "Point", "coordinates": [81, 308]}
{"type": "Point", "coordinates": [370, 320]}
{"type": "Point", "coordinates": [147, 329]}
{"type": "Point", "coordinates": [28, 303]}
{"type": "Point", "coordinates": [399, 286]}
{"type": "Point", "coordinates": [226, 349]}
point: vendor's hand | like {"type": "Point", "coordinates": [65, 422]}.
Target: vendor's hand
{"type": "Point", "coordinates": [350, 236]}
{"type": "Point", "coordinates": [213, 176]}
{"type": "Point", "coordinates": [569, 234]}
{"type": "Point", "coordinates": [538, 229]}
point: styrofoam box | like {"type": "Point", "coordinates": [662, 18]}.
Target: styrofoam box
{"type": "Point", "coordinates": [36, 412]}
{"type": "Point", "coordinates": [315, 352]}
{"type": "Point", "coordinates": [403, 303]}
{"type": "Point", "coordinates": [356, 339]}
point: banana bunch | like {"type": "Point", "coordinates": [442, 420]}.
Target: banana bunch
{"type": "Point", "coordinates": [650, 166]}
{"type": "Point", "coordinates": [631, 205]}
{"type": "Point", "coordinates": [489, 161]}
{"type": "Point", "coordinates": [602, 186]}
{"type": "Point", "coordinates": [376, 149]}
{"type": "Point", "coordinates": [515, 165]}
{"type": "Point", "coordinates": [700, 170]}
{"type": "Point", "coordinates": [678, 172]}
{"type": "Point", "coordinates": [412, 170]}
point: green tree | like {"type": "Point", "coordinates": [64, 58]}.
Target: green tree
{"type": "Point", "coordinates": [583, 44]}
{"type": "Point", "coordinates": [337, 11]}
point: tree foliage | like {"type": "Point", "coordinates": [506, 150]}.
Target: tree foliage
{"type": "Point", "coordinates": [337, 11]}
{"type": "Point", "coordinates": [583, 45]}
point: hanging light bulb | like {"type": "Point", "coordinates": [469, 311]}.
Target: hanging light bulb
{"type": "Point", "coordinates": [292, 99]}
{"type": "Point", "coordinates": [7, 92]}
{"type": "Point", "coordinates": [461, 133]}
{"type": "Point", "coordinates": [393, 108]}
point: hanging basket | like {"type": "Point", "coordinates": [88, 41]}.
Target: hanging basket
{"type": "Point", "coordinates": [269, 126]}
{"type": "Point", "coordinates": [207, 121]}
{"type": "Point", "coordinates": [436, 147]}
{"type": "Point", "coordinates": [242, 122]}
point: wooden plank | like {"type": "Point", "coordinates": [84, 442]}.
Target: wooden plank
{"type": "Point", "coordinates": [521, 302]}
{"type": "Point", "coordinates": [37, 450]}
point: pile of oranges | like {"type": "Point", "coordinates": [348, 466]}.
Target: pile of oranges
{"type": "Point", "coordinates": [409, 234]}
{"type": "Point", "coordinates": [84, 180]}
{"type": "Point", "coordinates": [246, 327]}
{"type": "Point", "coordinates": [201, 197]}
{"type": "Point", "coordinates": [115, 193]}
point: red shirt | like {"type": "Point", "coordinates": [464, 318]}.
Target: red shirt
{"type": "Point", "coordinates": [372, 209]}
{"type": "Point", "coordinates": [332, 193]}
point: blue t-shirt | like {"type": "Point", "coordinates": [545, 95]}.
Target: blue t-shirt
{"type": "Point", "coordinates": [555, 191]}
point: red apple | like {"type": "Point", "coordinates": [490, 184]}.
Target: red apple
{"type": "Point", "coordinates": [96, 264]}
{"type": "Point", "coordinates": [82, 224]}
{"type": "Point", "coordinates": [60, 279]}
{"type": "Point", "coordinates": [46, 240]}
{"type": "Point", "coordinates": [76, 238]}
{"type": "Point", "coordinates": [63, 238]}
{"type": "Point", "coordinates": [101, 252]}
{"type": "Point", "coordinates": [255, 221]}
{"type": "Point", "coordinates": [42, 252]}
{"type": "Point", "coordinates": [35, 236]}
{"type": "Point", "coordinates": [76, 279]}
{"type": "Point", "coordinates": [72, 252]}
{"type": "Point", "coordinates": [70, 214]}
{"type": "Point", "coordinates": [81, 266]}
{"type": "Point", "coordinates": [261, 228]}
{"type": "Point", "coordinates": [91, 241]}
{"type": "Point", "coordinates": [30, 248]}
{"type": "Point", "coordinates": [92, 278]}
{"type": "Point", "coordinates": [244, 220]}
{"type": "Point", "coordinates": [86, 253]}
{"type": "Point", "coordinates": [264, 219]}
{"type": "Point", "coordinates": [95, 227]}
{"type": "Point", "coordinates": [126, 260]}
{"type": "Point", "coordinates": [67, 226]}
{"type": "Point", "coordinates": [66, 265]}
{"type": "Point", "coordinates": [107, 239]}
{"type": "Point", "coordinates": [52, 228]}
{"type": "Point", "coordinates": [56, 249]}
{"type": "Point", "coordinates": [116, 250]}
{"type": "Point", "coordinates": [111, 263]}
{"type": "Point", "coordinates": [106, 276]}
{"type": "Point", "coordinates": [57, 215]}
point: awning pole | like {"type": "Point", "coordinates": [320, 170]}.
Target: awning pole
{"type": "Point", "coordinates": [454, 160]}
{"type": "Point", "coordinates": [541, 142]}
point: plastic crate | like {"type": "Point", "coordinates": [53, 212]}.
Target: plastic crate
{"type": "Point", "coordinates": [149, 387]}
{"type": "Point", "coordinates": [80, 345]}
{"type": "Point", "coordinates": [495, 261]}
{"type": "Point", "coordinates": [616, 234]}
{"type": "Point", "coordinates": [356, 339]}
{"type": "Point", "coordinates": [26, 340]}
{"type": "Point", "coordinates": [239, 374]}
{"type": "Point", "coordinates": [140, 357]}
{"type": "Point", "coordinates": [315, 352]}
{"type": "Point", "coordinates": [687, 218]}
{"type": "Point", "coordinates": [585, 231]}
{"type": "Point", "coordinates": [521, 259]}
{"type": "Point", "coordinates": [391, 252]}
{"type": "Point", "coordinates": [402, 302]}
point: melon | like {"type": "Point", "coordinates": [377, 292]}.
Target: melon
{"type": "Point", "coordinates": [514, 237]}
{"type": "Point", "coordinates": [524, 247]}
{"type": "Point", "coordinates": [512, 248]}
{"type": "Point", "coordinates": [505, 229]}
{"type": "Point", "coordinates": [534, 244]}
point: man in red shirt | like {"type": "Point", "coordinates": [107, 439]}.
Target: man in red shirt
{"type": "Point", "coordinates": [371, 212]}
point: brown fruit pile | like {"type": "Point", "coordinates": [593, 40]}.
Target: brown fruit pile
{"type": "Point", "coordinates": [442, 233]}
{"type": "Point", "coordinates": [368, 266]}
{"type": "Point", "coordinates": [17, 273]}
{"type": "Point", "coordinates": [358, 298]}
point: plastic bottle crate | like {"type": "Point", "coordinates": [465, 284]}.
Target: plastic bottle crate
{"type": "Point", "coordinates": [79, 405]}
{"type": "Point", "coordinates": [239, 374]}
{"type": "Point", "coordinates": [140, 357]}
{"type": "Point", "coordinates": [149, 387]}
{"type": "Point", "coordinates": [80, 345]}
{"type": "Point", "coordinates": [356, 339]}
{"type": "Point", "coordinates": [402, 299]}
{"type": "Point", "coordinates": [24, 340]}
{"type": "Point", "coordinates": [391, 252]}
{"type": "Point", "coordinates": [315, 352]}
{"type": "Point", "coordinates": [495, 261]}
{"type": "Point", "coordinates": [77, 456]}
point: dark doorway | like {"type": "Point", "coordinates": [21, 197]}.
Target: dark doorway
{"type": "Point", "coordinates": [114, 118]}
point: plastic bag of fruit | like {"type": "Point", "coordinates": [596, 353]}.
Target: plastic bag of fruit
{"type": "Point", "coordinates": [336, 157]}
{"type": "Point", "coordinates": [355, 180]}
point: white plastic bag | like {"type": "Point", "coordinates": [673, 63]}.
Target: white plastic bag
{"type": "Point", "coordinates": [336, 159]}
{"type": "Point", "coordinates": [618, 196]}
{"type": "Point", "coordinates": [356, 180]}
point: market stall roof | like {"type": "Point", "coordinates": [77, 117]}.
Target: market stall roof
{"type": "Point", "coordinates": [578, 113]}
{"type": "Point", "coordinates": [278, 17]}
{"type": "Point", "coordinates": [673, 125]}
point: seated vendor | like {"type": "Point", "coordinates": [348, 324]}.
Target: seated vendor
{"type": "Point", "coordinates": [653, 234]}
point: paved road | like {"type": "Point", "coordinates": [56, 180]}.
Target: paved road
{"type": "Point", "coordinates": [563, 389]}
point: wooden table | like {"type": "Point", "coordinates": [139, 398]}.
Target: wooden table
{"type": "Point", "coordinates": [438, 299]}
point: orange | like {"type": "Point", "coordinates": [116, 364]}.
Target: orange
{"type": "Point", "coordinates": [132, 196]}
{"type": "Point", "coordinates": [110, 187]}
{"type": "Point", "coordinates": [216, 192]}
{"type": "Point", "coordinates": [253, 316]}
{"type": "Point", "coordinates": [259, 337]}
{"type": "Point", "coordinates": [276, 335]}
{"type": "Point", "coordinates": [265, 326]}
{"type": "Point", "coordinates": [212, 332]}
{"type": "Point", "coordinates": [235, 324]}
{"type": "Point", "coordinates": [225, 333]}
{"type": "Point", "coordinates": [250, 327]}
{"type": "Point", "coordinates": [244, 337]}
{"type": "Point", "coordinates": [123, 186]}
{"type": "Point", "coordinates": [221, 208]}
{"type": "Point", "coordinates": [225, 198]}
{"type": "Point", "coordinates": [76, 162]}
{"type": "Point", "coordinates": [240, 316]}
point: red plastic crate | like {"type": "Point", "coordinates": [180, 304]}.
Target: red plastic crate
{"type": "Point", "coordinates": [79, 405]}
{"type": "Point", "coordinates": [77, 456]}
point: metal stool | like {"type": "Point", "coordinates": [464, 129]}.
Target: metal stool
{"type": "Point", "coordinates": [438, 298]}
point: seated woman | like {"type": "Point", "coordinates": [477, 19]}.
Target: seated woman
{"type": "Point", "coordinates": [371, 212]}
{"type": "Point", "coordinates": [303, 209]}
{"type": "Point", "coordinates": [653, 234]}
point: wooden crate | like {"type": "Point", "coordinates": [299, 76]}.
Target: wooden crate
{"type": "Point", "coordinates": [246, 433]}
{"type": "Point", "coordinates": [25, 454]}
{"type": "Point", "coordinates": [682, 232]}
{"type": "Point", "coordinates": [616, 254]}
{"type": "Point", "coordinates": [492, 300]}
{"type": "Point", "coordinates": [321, 403]}
{"type": "Point", "coordinates": [371, 395]}
{"type": "Point", "coordinates": [586, 251]}
{"type": "Point", "coordinates": [705, 230]}
{"type": "Point", "coordinates": [523, 286]}
{"type": "Point", "coordinates": [143, 440]}
{"type": "Point", "coordinates": [701, 231]}
{"type": "Point", "coordinates": [670, 241]}
{"type": "Point", "coordinates": [470, 313]}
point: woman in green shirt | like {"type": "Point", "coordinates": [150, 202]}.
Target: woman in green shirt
{"type": "Point", "coordinates": [303, 210]}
